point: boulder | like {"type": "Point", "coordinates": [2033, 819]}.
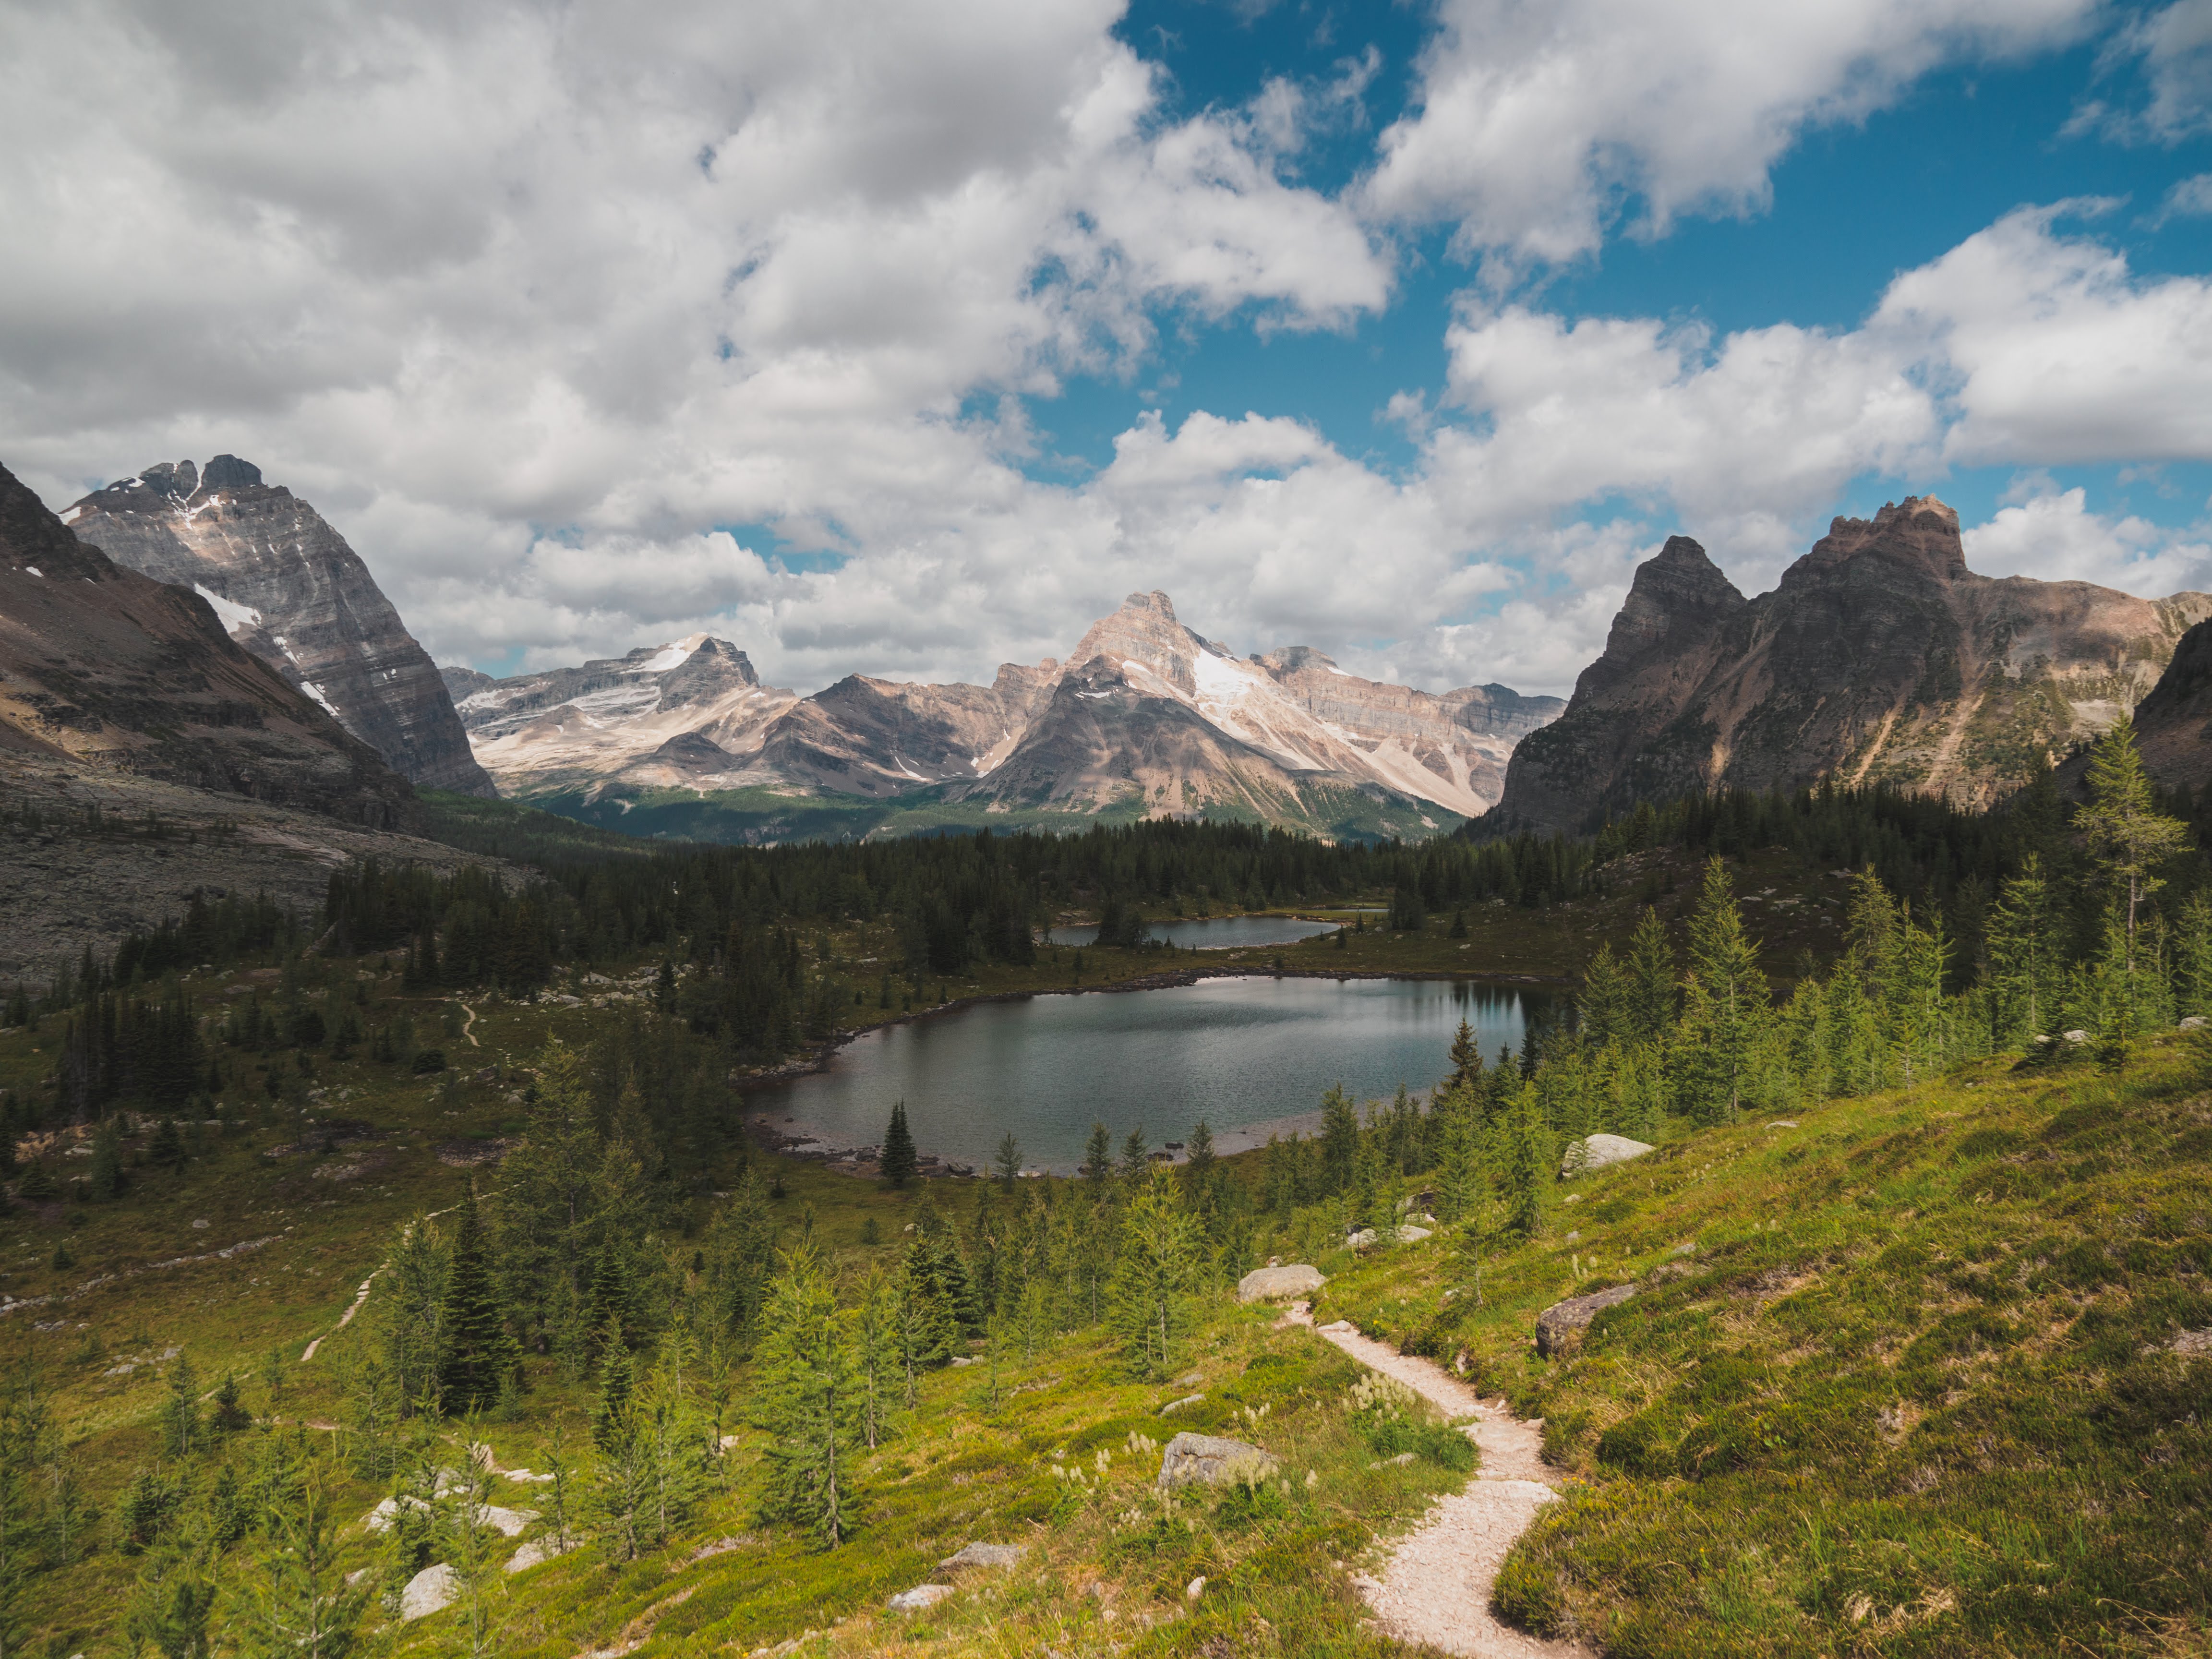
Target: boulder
{"type": "Point", "coordinates": [1177, 1405]}
{"type": "Point", "coordinates": [429, 1591]}
{"type": "Point", "coordinates": [2194, 1022]}
{"type": "Point", "coordinates": [1209, 1459]}
{"type": "Point", "coordinates": [538, 1552]}
{"type": "Point", "coordinates": [1598, 1150]}
{"type": "Point", "coordinates": [1559, 1327]}
{"type": "Point", "coordinates": [507, 1523]}
{"type": "Point", "coordinates": [1273, 1283]}
{"type": "Point", "coordinates": [981, 1555]}
{"type": "Point", "coordinates": [920, 1597]}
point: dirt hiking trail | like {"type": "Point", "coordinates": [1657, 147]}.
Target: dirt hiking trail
{"type": "Point", "coordinates": [1435, 1591]}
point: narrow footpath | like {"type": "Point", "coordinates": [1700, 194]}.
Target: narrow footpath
{"type": "Point", "coordinates": [1437, 1589]}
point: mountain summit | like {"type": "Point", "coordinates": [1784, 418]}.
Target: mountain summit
{"type": "Point", "coordinates": [1145, 716]}
{"type": "Point", "coordinates": [290, 590]}
{"type": "Point", "coordinates": [1879, 658]}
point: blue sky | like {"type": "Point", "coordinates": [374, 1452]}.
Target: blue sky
{"type": "Point", "coordinates": [906, 340]}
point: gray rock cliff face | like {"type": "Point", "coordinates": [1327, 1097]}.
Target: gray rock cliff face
{"type": "Point", "coordinates": [289, 589]}
{"type": "Point", "coordinates": [1879, 658]}
{"type": "Point", "coordinates": [104, 670]}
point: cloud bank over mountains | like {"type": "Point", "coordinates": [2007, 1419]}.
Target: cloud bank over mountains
{"type": "Point", "coordinates": [594, 324]}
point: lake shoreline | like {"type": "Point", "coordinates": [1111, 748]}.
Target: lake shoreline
{"type": "Point", "coordinates": [817, 1058]}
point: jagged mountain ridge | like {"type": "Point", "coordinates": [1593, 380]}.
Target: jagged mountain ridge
{"type": "Point", "coordinates": [1191, 728]}
{"type": "Point", "coordinates": [107, 671]}
{"type": "Point", "coordinates": [1879, 658]}
{"type": "Point", "coordinates": [291, 591]}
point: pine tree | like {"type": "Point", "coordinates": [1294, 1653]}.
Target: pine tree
{"type": "Point", "coordinates": [1098, 1156]}
{"type": "Point", "coordinates": [180, 1415]}
{"type": "Point", "coordinates": [1134, 1154]}
{"type": "Point", "coordinates": [2024, 956]}
{"type": "Point", "coordinates": [2128, 836]}
{"type": "Point", "coordinates": [878, 1353]}
{"type": "Point", "coordinates": [1466, 1058]}
{"type": "Point", "coordinates": [1007, 1161]}
{"type": "Point", "coordinates": [2193, 957]}
{"type": "Point", "coordinates": [480, 1354]}
{"type": "Point", "coordinates": [808, 1400]}
{"type": "Point", "coordinates": [1152, 1275]}
{"type": "Point", "coordinates": [1728, 995]}
{"type": "Point", "coordinates": [1602, 1010]}
{"type": "Point", "coordinates": [106, 1180]}
{"type": "Point", "coordinates": [302, 1607]}
{"type": "Point", "coordinates": [897, 1161]}
{"type": "Point", "coordinates": [1525, 1167]}
{"type": "Point", "coordinates": [1651, 988]}
{"type": "Point", "coordinates": [1339, 1139]}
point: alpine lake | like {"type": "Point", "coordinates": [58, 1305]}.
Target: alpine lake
{"type": "Point", "coordinates": [1251, 1054]}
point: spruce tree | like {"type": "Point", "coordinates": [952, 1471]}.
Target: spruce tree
{"type": "Point", "coordinates": [1339, 1139]}
{"type": "Point", "coordinates": [1601, 1010]}
{"type": "Point", "coordinates": [1525, 1169]}
{"type": "Point", "coordinates": [2024, 956]}
{"type": "Point", "coordinates": [106, 1180]}
{"type": "Point", "coordinates": [1154, 1272]}
{"type": "Point", "coordinates": [808, 1400]}
{"type": "Point", "coordinates": [1728, 995]}
{"type": "Point", "coordinates": [480, 1354]}
{"type": "Point", "coordinates": [1098, 1156]}
{"type": "Point", "coordinates": [1466, 1058]}
{"type": "Point", "coordinates": [180, 1415]}
{"type": "Point", "coordinates": [2128, 836]}
{"type": "Point", "coordinates": [897, 1161]}
{"type": "Point", "coordinates": [1007, 1161]}
{"type": "Point", "coordinates": [1135, 1156]}
{"type": "Point", "coordinates": [1651, 998]}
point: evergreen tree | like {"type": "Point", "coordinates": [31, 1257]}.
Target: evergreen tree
{"type": "Point", "coordinates": [106, 1180]}
{"type": "Point", "coordinates": [1651, 989]}
{"type": "Point", "coordinates": [2193, 957]}
{"type": "Point", "coordinates": [1007, 1161]}
{"type": "Point", "coordinates": [808, 1400]}
{"type": "Point", "coordinates": [2128, 836]}
{"type": "Point", "coordinates": [1098, 1156]}
{"type": "Point", "coordinates": [1465, 1059]}
{"type": "Point", "coordinates": [1154, 1272]}
{"type": "Point", "coordinates": [181, 1414]}
{"type": "Point", "coordinates": [1602, 1012]}
{"type": "Point", "coordinates": [1134, 1155]}
{"type": "Point", "coordinates": [480, 1357]}
{"type": "Point", "coordinates": [302, 1607]}
{"type": "Point", "coordinates": [1526, 1167]}
{"type": "Point", "coordinates": [878, 1353]}
{"type": "Point", "coordinates": [898, 1160]}
{"type": "Point", "coordinates": [2024, 956]}
{"type": "Point", "coordinates": [1340, 1140]}
{"type": "Point", "coordinates": [1727, 996]}
{"type": "Point", "coordinates": [1916, 1019]}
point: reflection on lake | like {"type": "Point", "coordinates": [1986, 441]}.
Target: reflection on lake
{"type": "Point", "coordinates": [1213, 933]}
{"type": "Point", "coordinates": [1235, 1052]}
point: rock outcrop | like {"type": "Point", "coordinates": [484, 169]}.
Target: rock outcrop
{"type": "Point", "coordinates": [2173, 724]}
{"type": "Point", "coordinates": [1559, 1327]}
{"type": "Point", "coordinates": [1879, 658]}
{"type": "Point", "coordinates": [289, 589]}
{"type": "Point", "coordinates": [1210, 1460]}
{"type": "Point", "coordinates": [1279, 1284]}
{"type": "Point", "coordinates": [104, 669]}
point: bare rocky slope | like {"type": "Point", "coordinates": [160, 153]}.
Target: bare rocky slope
{"type": "Point", "coordinates": [2173, 724]}
{"type": "Point", "coordinates": [1144, 714]}
{"type": "Point", "coordinates": [1879, 658]}
{"type": "Point", "coordinates": [292, 593]}
{"type": "Point", "coordinates": [111, 672]}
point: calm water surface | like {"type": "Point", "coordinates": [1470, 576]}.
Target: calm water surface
{"type": "Point", "coordinates": [1216, 933]}
{"type": "Point", "coordinates": [1241, 1053]}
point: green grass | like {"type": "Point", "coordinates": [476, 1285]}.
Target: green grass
{"type": "Point", "coordinates": [1895, 1380]}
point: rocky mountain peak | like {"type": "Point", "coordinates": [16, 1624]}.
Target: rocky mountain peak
{"type": "Point", "coordinates": [290, 590]}
{"type": "Point", "coordinates": [1919, 531]}
{"type": "Point", "coordinates": [1676, 595]}
{"type": "Point", "coordinates": [1145, 632]}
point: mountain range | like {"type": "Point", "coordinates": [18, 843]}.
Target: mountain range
{"type": "Point", "coordinates": [1145, 717]}
{"type": "Point", "coordinates": [1879, 658]}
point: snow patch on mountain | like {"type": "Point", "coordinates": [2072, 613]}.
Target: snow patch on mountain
{"type": "Point", "coordinates": [237, 618]}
